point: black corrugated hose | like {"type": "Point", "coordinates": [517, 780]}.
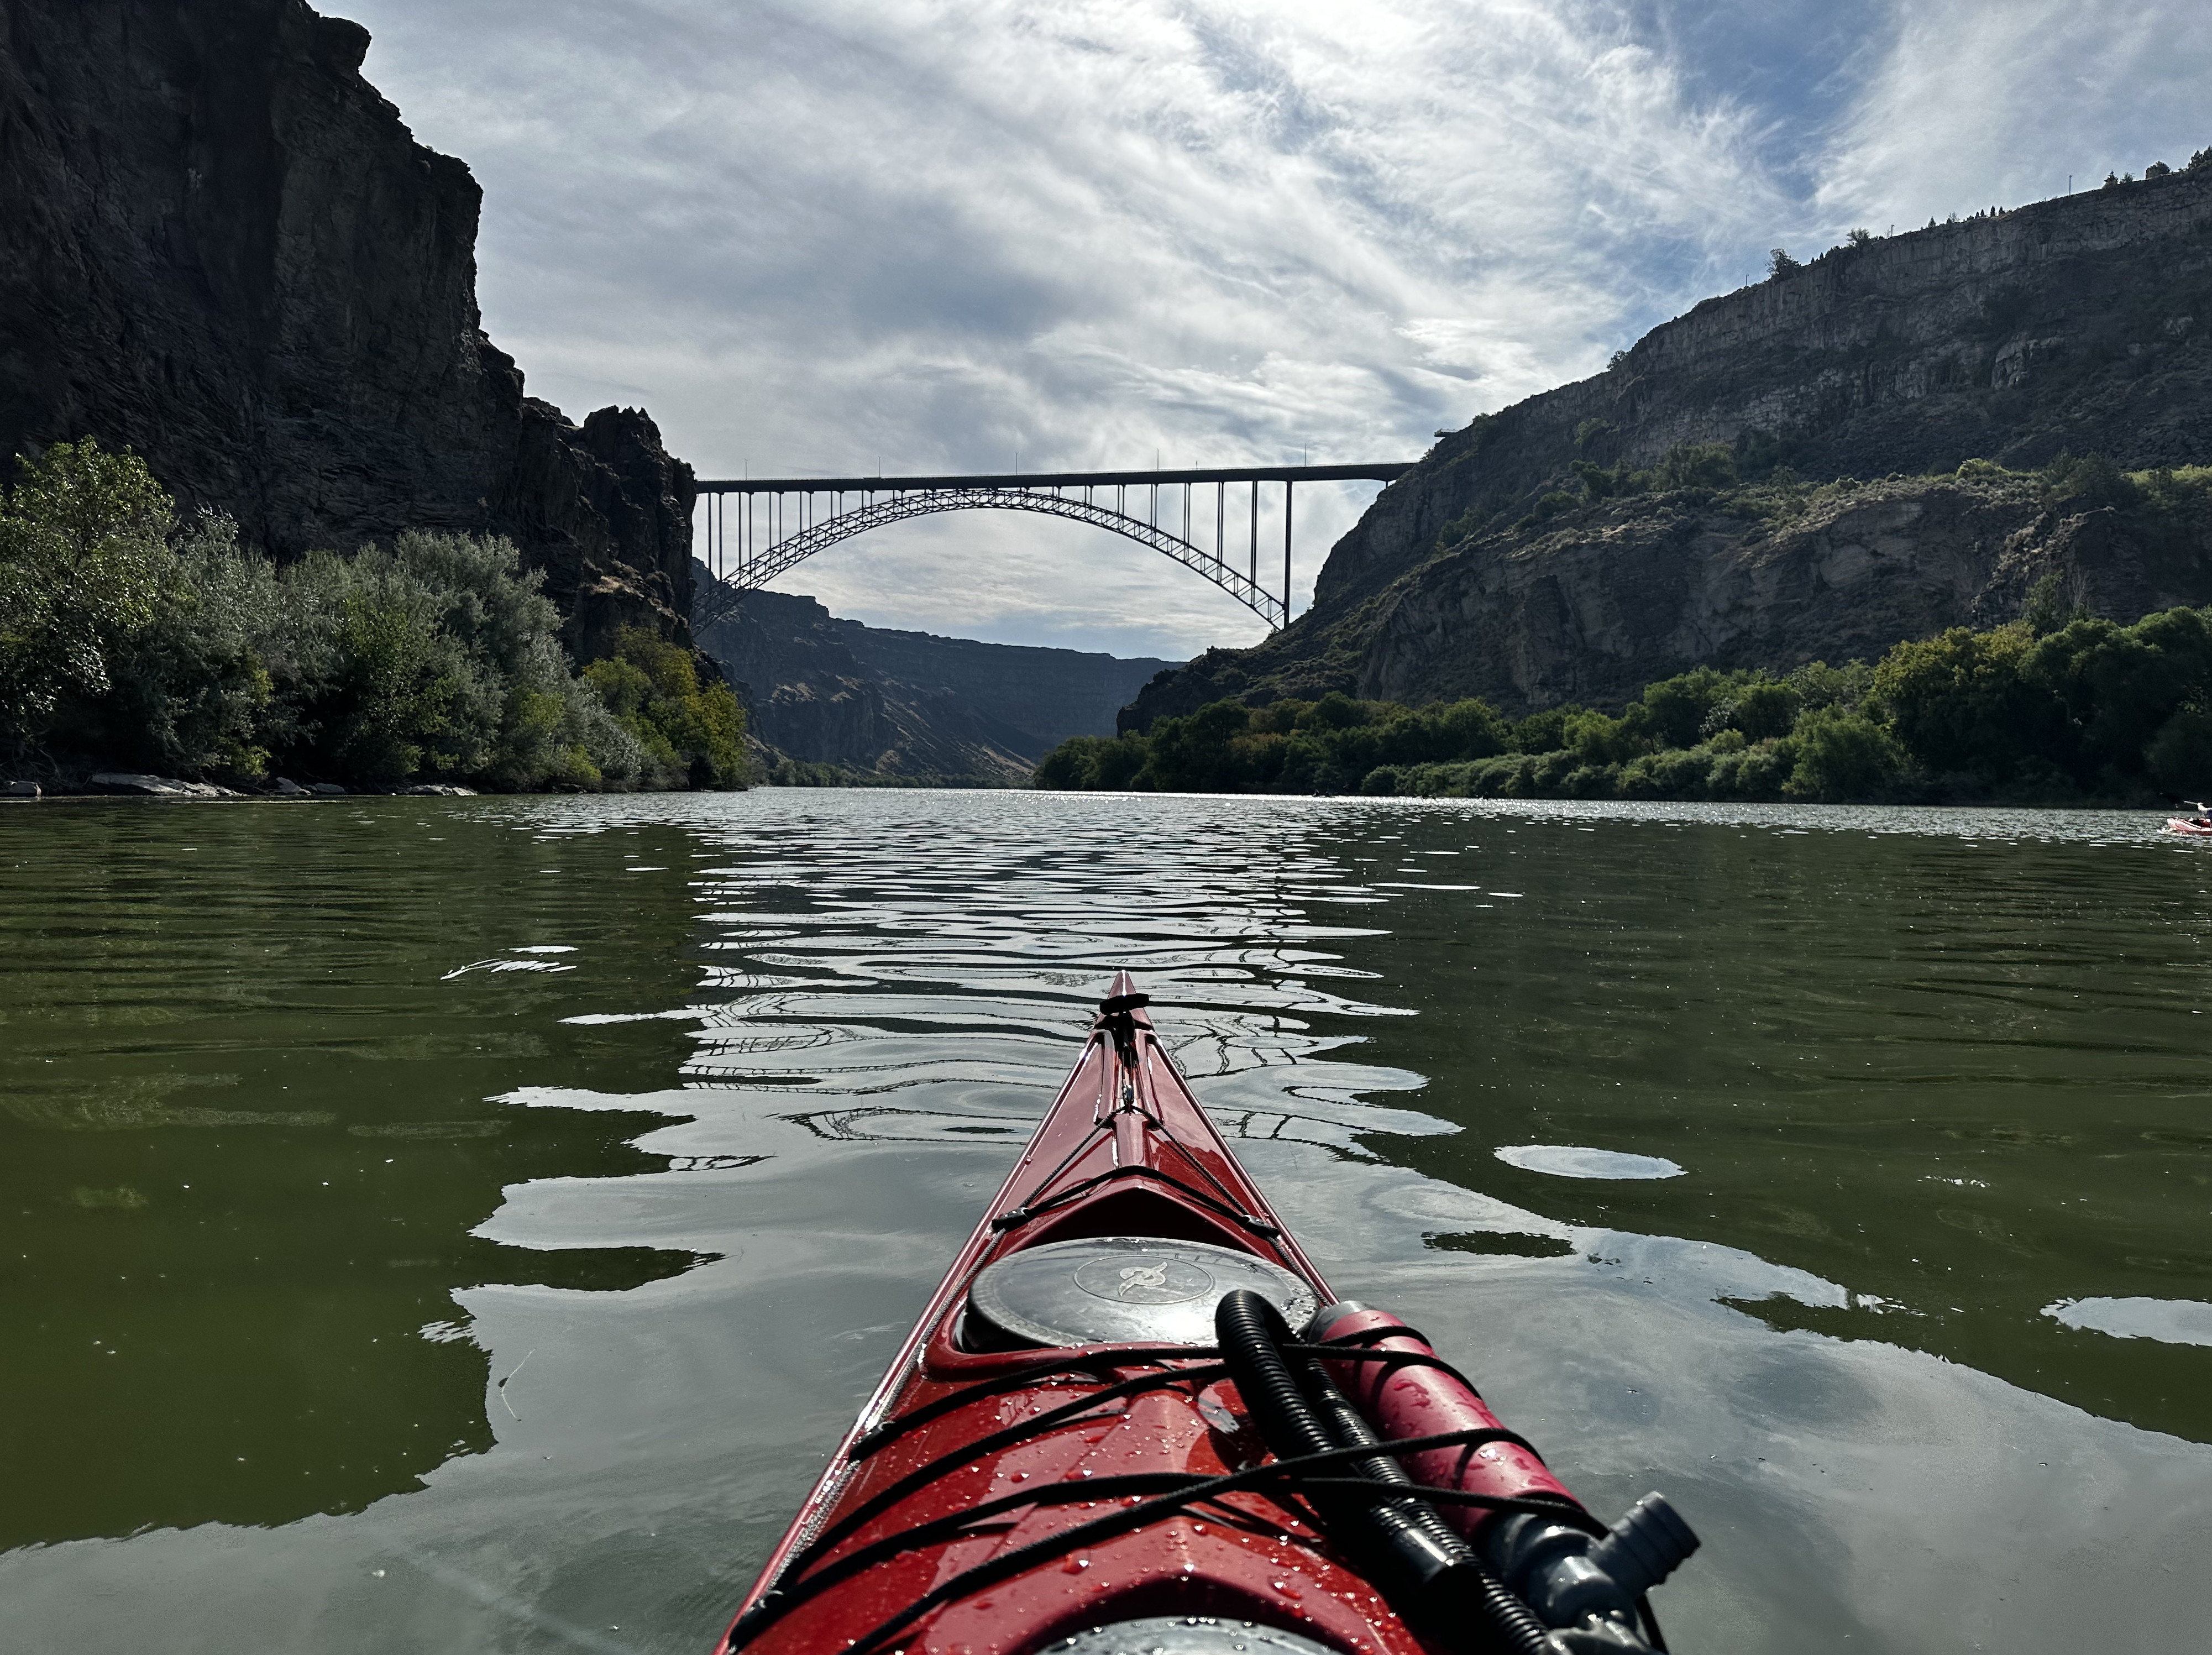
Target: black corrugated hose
{"type": "Point", "coordinates": [1425, 1564]}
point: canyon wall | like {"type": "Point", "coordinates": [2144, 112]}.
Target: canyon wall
{"type": "Point", "coordinates": [222, 248]}
{"type": "Point", "coordinates": [1038, 697]}
{"type": "Point", "coordinates": [823, 691]}
{"type": "Point", "coordinates": [1591, 610]}
{"type": "Point", "coordinates": [2083, 324]}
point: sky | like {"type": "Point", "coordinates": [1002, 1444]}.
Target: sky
{"type": "Point", "coordinates": [825, 237]}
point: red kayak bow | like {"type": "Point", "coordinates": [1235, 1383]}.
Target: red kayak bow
{"type": "Point", "coordinates": [1135, 1421]}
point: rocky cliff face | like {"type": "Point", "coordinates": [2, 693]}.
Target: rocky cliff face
{"type": "Point", "coordinates": [1036, 698]}
{"type": "Point", "coordinates": [222, 248]}
{"type": "Point", "coordinates": [1625, 594]}
{"type": "Point", "coordinates": [806, 696]}
{"type": "Point", "coordinates": [907, 704]}
{"type": "Point", "coordinates": [2081, 323]}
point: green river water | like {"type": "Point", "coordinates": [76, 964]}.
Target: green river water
{"type": "Point", "coordinates": [468, 1225]}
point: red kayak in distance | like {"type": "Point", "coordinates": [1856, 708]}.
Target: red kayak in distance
{"type": "Point", "coordinates": [1135, 1421]}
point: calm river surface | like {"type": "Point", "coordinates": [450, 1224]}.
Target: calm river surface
{"type": "Point", "coordinates": [442, 1226]}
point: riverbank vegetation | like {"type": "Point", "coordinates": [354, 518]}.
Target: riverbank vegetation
{"type": "Point", "coordinates": [130, 642]}
{"type": "Point", "coordinates": [2056, 708]}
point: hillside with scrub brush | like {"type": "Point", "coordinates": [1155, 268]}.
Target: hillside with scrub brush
{"type": "Point", "coordinates": [2055, 708]}
{"type": "Point", "coordinates": [1904, 434]}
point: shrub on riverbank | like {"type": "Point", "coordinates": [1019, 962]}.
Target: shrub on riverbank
{"type": "Point", "coordinates": [83, 554]}
{"type": "Point", "coordinates": [2051, 708]}
{"type": "Point", "coordinates": [688, 733]}
{"type": "Point", "coordinates": [436, 659]}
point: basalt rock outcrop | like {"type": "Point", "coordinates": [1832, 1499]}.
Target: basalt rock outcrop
{"type": "Point", "coordinates": [1596, 608]}
{"type": "Point", "coordinates": [905, 705]}
{"type": "Point", "coordinates": [222, 248]}
{"type": "Point", "coordinates": [2083, 324]}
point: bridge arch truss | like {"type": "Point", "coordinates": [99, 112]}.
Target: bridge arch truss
{"type": "Point", "coordinates": [778, 523]}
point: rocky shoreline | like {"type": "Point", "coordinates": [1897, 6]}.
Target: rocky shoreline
{"type": "Point", "coordinates": [131, 784]}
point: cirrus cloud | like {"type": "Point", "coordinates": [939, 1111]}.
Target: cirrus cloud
{"type": "Point", "coordinates": [818, 237]}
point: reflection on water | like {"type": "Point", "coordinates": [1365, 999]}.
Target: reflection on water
{"type": "Point", "coordinates": [483, 1215]}
{"type": "Point", "coordinates": [1957, 1076]}
{"type": "Point", "coordinates": [1574, 1161]}
{"type": "Point", "coordinates": [248, 1133]}
{"type": "Point", "coordinates": [2170, 1321]}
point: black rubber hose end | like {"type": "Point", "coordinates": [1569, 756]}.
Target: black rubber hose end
{"type": "Point", "coordinates": [1300, 1411]}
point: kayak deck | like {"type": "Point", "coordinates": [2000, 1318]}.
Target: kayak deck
{"type": "Point", "coordinates": [1008, 1487]}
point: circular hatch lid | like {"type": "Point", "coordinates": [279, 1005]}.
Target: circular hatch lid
{"type": "Point", "coordinates": [1186, 1634]}
{"type": "Point", "coordinates": [1112, 1290]}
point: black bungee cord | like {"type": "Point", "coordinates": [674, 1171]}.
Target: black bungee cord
{"type": "Point", "coordinates": [1290, 1479]}
{"type": "Point", "coordinates": [1182, 1490]}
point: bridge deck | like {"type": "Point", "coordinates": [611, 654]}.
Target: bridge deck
{"type": "Point", "coordinates": [1382, 472]}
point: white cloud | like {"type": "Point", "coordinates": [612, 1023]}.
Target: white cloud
{"type": "Point", "coordinates": [811, 235]}
{"type": "Point", "coordinates": [1983, 103]}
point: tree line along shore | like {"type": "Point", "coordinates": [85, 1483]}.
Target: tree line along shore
{"type": "Point", "coordinates": [130, 641]}
{"type": "Point", "coordinates": [2056, 707]}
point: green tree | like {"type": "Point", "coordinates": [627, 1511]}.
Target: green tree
{"type": "Point", "coordinates": [2119, 686]}
{"type": "Point", "coordinates": [1842, 757]}
{"type": "Point", "coordinates": [1464, 729]}
{"type": "Point", "coordinates": [83, 555]}
{"type": "Point", "coordinates": [2049, 606]}
{"type": "Point", "coordinates": [1599, 483]}
{"type": "Point", "coordinates": [692, 734]}
{"type": "Point", "coordinates": [1762, 708]}
{"type": "Point", "coordinates": [1334, 711]}
{"type": "Point", "coordinates": [1816, 684]}
{"type": "Point", "coordinates": [1193, 753]}
{"type": "Point", "coordinates": [1544, 732]}
{"type": "Point", "coordinates": [1104, 763]}
{"type": "Point", "coordinates": [2180, 756]}
{"type": "Point", "coordinates": [1962, 703]}
{"type": "Point", "coordinates": [395, 690]}
{"type": "Point", "coordinates": [1673, 711]}
{"type": "Point", "coordinates": [1696, 465]}
{"type": "Point", "coordinates": [439, 657]}
{"type": "Point", "coordinates": [1597, 740]}
{"type": "Point", "coordinates": [2088, 483]}
{"type": "Point", "coordinates": [192, 690]}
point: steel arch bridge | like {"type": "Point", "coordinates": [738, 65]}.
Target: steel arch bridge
{"type": "Point", "coordinates": [779, 522]}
